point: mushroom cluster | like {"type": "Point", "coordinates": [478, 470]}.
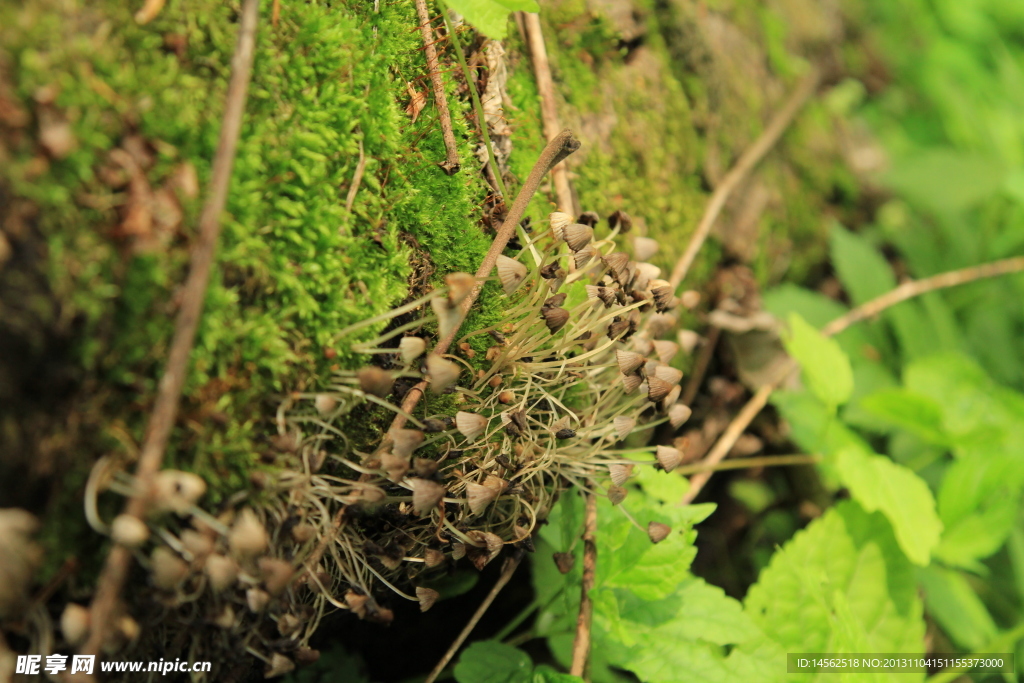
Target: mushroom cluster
{"type": "Point", "coordinates": [562, 395]}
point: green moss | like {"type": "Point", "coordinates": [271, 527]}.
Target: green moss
{"type": "Point", "coordinates": [295, 266]}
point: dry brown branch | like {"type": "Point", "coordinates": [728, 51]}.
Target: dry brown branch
{"type": "Point", "coordinates": [115, 570]}
{"type": "Point", "coordinates": [748, 463]}
{"type": "Point", "coordinates": [451, 164]}
{"type": "Point", "coordinates": [728, 440]}
{"type": "Point", "coordinates": [549, 113]}
{"type": "Point", "coordinates": [556, 150]}
{"type": "Point", "coordinates": [913, 288]}
{"type": "Point", "coordinates": [506, 574]}
{"type": "Point", "coordinates": [738, 173]}
{"type": "Point", "coordinates": [905, 291]}
{"type": "Point", "coordinates": [581, 645]}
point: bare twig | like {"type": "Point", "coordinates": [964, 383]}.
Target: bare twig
{"type": "Point", "coordinates": [728, 440]}
{"type": "Point", "coordinates": [165, 408]}
{"type": "Point", "coordinates": [548, 111]}
{"type": "Point", "coordinates": [581, 645]}
{"type": "Point", "coordinates": [556, 150]}
{"type": "Point", "coordinates": [451, 164]}
{"type": "Point", "coordinates": [748, 463]}
{"type": "Point", "coordinates": [506, 574]}
{"type": "Point", "coordinates": [902, 293]}
{"type": "Point", "coordinates": [736, 175]}
{"type": "Point", "coordinates": [909, 290]}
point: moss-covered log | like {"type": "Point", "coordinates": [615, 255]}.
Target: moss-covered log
{"type": "Point", "coordinates": [338, 210]}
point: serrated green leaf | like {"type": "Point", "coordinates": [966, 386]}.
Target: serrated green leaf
{"type": "Point", "coordinates": [660, 570]}
{"type": "Point", "coordinates": [846, 552]}
{"type": "Point", "coordinates": [490, 17]}
{"type": "Point", "coordinates": [878, 483]}
{"type": "Point", "coordinates": [489, 661]}
{"type": "Point", "coordinates": [826, 368]}
{"type": "Point", "coordinates": [680, 638]}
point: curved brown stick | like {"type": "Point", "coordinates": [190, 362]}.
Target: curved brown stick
{"type": "Point", "coordinates": [736, 175]}
{"type": "Point", "coordinates": [581, 645]}
{"type": "Point", "coordinates": [907, 290]}
{"type": "Point", "coordinates": [556, 150]}
{"type": "Point", "coordinates": [165, 409]}
{"type": "Point", "coordinates": [451, 164]}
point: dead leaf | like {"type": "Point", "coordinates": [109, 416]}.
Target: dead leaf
{"type": "Point", "coordinates": [417, 100]}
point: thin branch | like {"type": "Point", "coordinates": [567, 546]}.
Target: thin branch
{"type": "Point", "coordinates": [728, 440]}
{"type": "Point", "coordinates": [913, 288]}
{"type": "Point", "coordinates": [581, 644]}
{"type": "Point", "coordinates": [556, 150]}
{"type": "Point", "coordinates": [548, 111]}
{"type": "Point", "coordinates": [749, 463]}
{"type": "Point", "coordinates": [750, 158]}
{"type": "Point", "coordinates": [451, 164]}
{"type": "Point", "coordinates": [115, 570]}
{"type": "Point", "coordinates": [511, 564]}
{"type": "Point", "coordinates": [907, 290]}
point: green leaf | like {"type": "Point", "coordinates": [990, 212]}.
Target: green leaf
{"type": "Point", "coordinates": [878, 483]}
{"type": "Point", "coordinates": [979, 535]}
{"type": "Point", "coordinates": [661, 486]}
{"type": "Point", "coordinates": [489, 661]}
{"type": "Point", "coordinates": [945, 180]}
{"type": "Point", "coordinates": [863, 271]}
{"type": "Point", "coordinates": [811, 425]}
{"type": "Point", "coordinates": [576, 293]}
{"type": "Point", "coordinates": [905, 409]}
{"type": "Point", "coordinates": [978, 502]}
{"type": "Point", "coordinates": [490, 17]}
{"type": "Point", "coordinates": [957, 608]}
{"type": "Point", "coordinates": [826, 368]}
{"type": "Point", "coordinates": [841, 583]}
{"type": "Point", "coordinates": [679, 638]}
{"type": "Point", "coordinates": [545, 674]}
{"type": "Point", "coordinates": [978, 414]}
{"type": "Point", "coordinates": [858, 341]}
